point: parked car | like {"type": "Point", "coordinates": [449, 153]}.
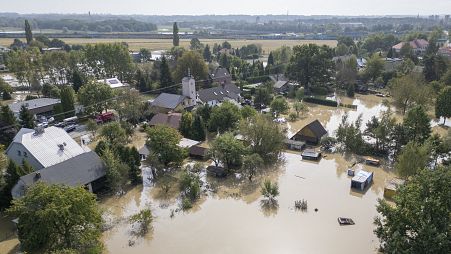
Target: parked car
{"type": "Point", "coordinates": [70, 128]}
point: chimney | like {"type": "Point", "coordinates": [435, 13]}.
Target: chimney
{"type": "Point", "coordinates": [37, 176]}
{"type": "Point", "coordinates": [38, 130]}
{"type": "Point", "coordinates": [61, 146]}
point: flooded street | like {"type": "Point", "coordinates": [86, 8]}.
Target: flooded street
{"type": "Point", "coordinates": [239, 223]}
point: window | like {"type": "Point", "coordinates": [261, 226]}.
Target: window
{"type": "Point", "coordinates": [25, 154]}
{"type": "Point", "coordinates": [19, 153]}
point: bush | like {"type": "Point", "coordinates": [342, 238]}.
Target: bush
{"type": "Point", "coordinates": [30, 97]}
{"type": "Point", "coordinates": [293, 116]}
{"type": "Point", "coordinates": [6, 96]}
{"type": "Point", "coordinates": [320, 90]}
{"type": "Point", "coordinates": [270, 190]}
{"type": "Point", "coordinates": [321, 101]}
{"type": "Point", "coordinates": [350, 90]}
{"type": "Point", "coordinates": [261, 79]}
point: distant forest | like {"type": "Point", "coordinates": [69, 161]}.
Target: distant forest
{"type": "Point", "coordinates": [80, 24]}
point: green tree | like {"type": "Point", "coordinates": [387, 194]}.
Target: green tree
{"type": "Point", "coordinates": [413, 157]}
{"type": "Point", "coordinates": [26, 118]}
{"type": "Point", "coordinates": [175, 35]}
{"type": "Point", "coordinates": [408, 91]}
{"type": "Point", "coordinates": [419, 220]}
{"type": "Point", "coordinates": [227, 149]}
{"type": "Point", "coordinates": [145, 55]}
{"type": "Point", "coordinates": [247, 112]}
{"type": "Point", "coordinates": [311, 65]}
{"type": "Point", "coordinates": [68, 100]}
{"type": "Point", "coordinates": [95, 97]}
{"type": "Point", "coordinates": [56, 217]}
{"type": "Point", "coordinates": [443, 104]}
{"type": "Point", "coordinates": [265, 136]}
{"type": "Point", "coordinates": [11, 177]}
{"type": "Point", "coordinates": [116, 171]}
{"type": "Point", "coordinates": [207, 53]}
{"type": "Point", "coordinates": [279, 105]}
{"type": "Point", "coordinates": [435, 67]}
{"type": "Point", "coordinates": [193, 62]}
{"type": "Point", "coordinates": [107, 60]}
{"type": "Point", "coordinates": [163, 141]}
{"type": "Point", "coordinates": [374, 67]}
{"type": "Point", "coordinates": [198, 131]}
{"type": "Point", "coordinates": [143, 219]}
{"type": "Point", "coordinates": [92, 127]}
{"type": "Point", "coordinates": [251, 163]}
{"type": "Point", "coordinates": [270, 59]}
{"type": "Point", "coordinates": [417, 124]}
{"type": "Point", "coordinates": [165, 76]}
{"type": "Point", "coordinates": [186, 124]}
{"type": "Point", "coordinates": [224, 117]}
{"type": "Point", "coordinates": [195, 44]}
{"type": "Point", "coordinates": [114, 133]}
{"type": "Point", "coordinates": [77, 80]}
{"type": "Point", "coordinates": [349, 135]}
{"type": "Point", "coordinates": [129, 105]}
{"type": "Point", "coordinates": [28, 33]}
{"type": "Point", "coordinates": [299, 107]}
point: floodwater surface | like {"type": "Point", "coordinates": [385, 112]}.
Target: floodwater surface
{"type": "Point", "coordinates": [240, 223]}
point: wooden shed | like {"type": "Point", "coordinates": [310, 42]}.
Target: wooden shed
{"type": "Point", "coordinates": [311, 133]}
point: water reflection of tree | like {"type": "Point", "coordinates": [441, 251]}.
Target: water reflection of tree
{"type": "Point", "coordinates": [269, 207]}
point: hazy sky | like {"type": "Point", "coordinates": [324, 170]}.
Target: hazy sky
{"type": "Point", "coordinates": [196, 7]}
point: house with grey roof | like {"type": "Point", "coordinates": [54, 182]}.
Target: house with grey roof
{"type": "Point", "coordinates": [222, 76]}
{"type": "Point", "coordinates": [86, 169]}
{"type": "Point", "coordinates": [215, 95]}
{"type": "Point", "coordinates": [171, 120]}
{"type": "Point", "coordinates": [40, 106]}
{"type": "Point", "coordinates": [166, 102]}
{"type": "Point", "coordinates": [43, 148]}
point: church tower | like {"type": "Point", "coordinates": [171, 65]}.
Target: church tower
{"type": "Point", "coordinates": [189, 91]}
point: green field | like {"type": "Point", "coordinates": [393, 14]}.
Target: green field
{"type": "Point", "coordinates": [164, 44]}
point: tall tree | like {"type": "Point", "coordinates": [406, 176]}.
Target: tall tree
{"type": "Point", "coordinates": [56, 218]}
{"type": "Point", "coordinates": [251, 163]}
{"type": "Point", "coordinates": [207, 53]}
{"type": "Point", "coordinates": [117, 172]}
{"type": "Point", "coordinates": [270, 59]}
{"type": "Point", "coordinates": [419, 220]}
{"type": "Point", "coordinates": [279, 105]}
{"type": "Point", "coordinates": [26, 118]}
{"type": "Point", "coordinates": [68, 100]}
{"type": "Point", "coordinates": [163, 142]}
{"type": "Point", "coordinates": [114, 134]}
{"type": "Point", "coordinates": [311, 65]}
{"type": "Point", "coordinates": [195, 44]}
{"type": "Point", "coordinates": [28, 33]}
{"type": "Point", "coordinates": [417, 124]}
{"type": "Point", "coordinates": [198, 131]}
{"type": "Point", "coordinates": [227, 149]}
{"type": "Point", "coordinates": [408, 91]}
{"type": "Point", "coordinates": [374, 67]}
{"type": "Point", "coordinates": [165, 76]}
{"type": "Point", "coordinates": [224, 117]}
{"type": "Point", "coordinates": [95, 97]}
{"type": "Point", "coordinates": [443, 104]}
{"type": "Point", "coordinates": [186, 124]}
{"type": "Point", "coordinates": [413, 157]}
{"type": "Point", "coordinates": [77, 80]}
{"type": "Point", "coordinates": [193, 62]}
{"type": "Point", "coordinates": [434, 67]}
{"type": "Point", "coordinates": [175, 35]}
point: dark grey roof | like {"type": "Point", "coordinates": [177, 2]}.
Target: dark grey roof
{"type": "Point", "coordinates": [278, 77]}
{"type": "Point", "coordinates": [232, 88]}
{"type": "Point", "coordinates": [221, 73]}
{"type": "Point", "coordinates": [32, 104]}
{"type": "Point", "coordinates": [216, 93]}
{"type": "Point", "coordinates": [167, 100]}
{"type": "Point", "coordinates": [317, 128]}
{"type": "Point", "coordinates": [80, 170]}
{"type": "Point", "coordinates": [144, 150]}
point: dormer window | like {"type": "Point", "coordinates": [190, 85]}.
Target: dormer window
{"type": "Point", "coordinates": [19, 153]}
{"type": "Point", "coordinates": [25, 154]}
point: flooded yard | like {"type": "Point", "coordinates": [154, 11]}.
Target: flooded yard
{"type": "Point", "coordinates": [239, 223]}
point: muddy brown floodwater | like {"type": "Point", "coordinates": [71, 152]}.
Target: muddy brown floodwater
{"type": "Point", "coordinates": [239, 223]}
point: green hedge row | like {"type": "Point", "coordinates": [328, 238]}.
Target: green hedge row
{"type": "Point", "coordinates": [261, 79]}
{"type": "Point", "coordinates": [321, 101]}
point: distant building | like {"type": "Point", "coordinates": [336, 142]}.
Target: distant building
{"type": "Point", "coordinates": [222, 76]}
{"type": "Point", "coordinates": [445, 51]}
{"type": "Point", "coordinates": [166, 102]}
{"type": "Point", "coordinates": [40, 106]}
{"type": "Point", "coordinates": [113, 83]}
{"type": "Point", "coordinates": [419, 46]}
{"type": "Point", "coordinates": [215, 95]}
{"type": "Point", "coordinates": [43, 148]}
{"type": "Point", "coordinates": [311, 133]}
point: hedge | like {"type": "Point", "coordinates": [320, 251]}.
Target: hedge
{"type": "Point", "coordinates": [321, 101]}
{"type": "Point", "coordinates": [260, 79]}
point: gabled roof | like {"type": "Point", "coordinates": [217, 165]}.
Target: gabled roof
{"type": "Point", "coordinates": [232, 88]}
{"type": "Point", "coordinates": [280, 84]}
{"type": "Point", "coordinates": [79, 170]}
{"type": "Point", "coordinates": [414, 44]}
{"type": "Point", "coordinates": [317, 128]}
{"type": "Point", "coordinates": [216, 93]}
{"type": "Point", "coordinates": [278, 77]}
{"type": "Point", "coordinates": [221, 73]}
{"type": "Point", "coordinates": [171, 120]}
{"type": "Point", "coordinates": [50, 147]}
{"type": "Point", "coordinates": [167, 100]}
{"type": "Point", "coordinates": [32, 104]}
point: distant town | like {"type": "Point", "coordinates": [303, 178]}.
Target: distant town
{"type": "Point", "coordinates": [225, 134]}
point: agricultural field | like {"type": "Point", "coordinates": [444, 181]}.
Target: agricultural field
{"type": "Point", "coordinates": [164, 44]}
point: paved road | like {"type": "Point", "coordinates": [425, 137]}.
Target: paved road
{"type": "Point", "coordinates": [79, 131]}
